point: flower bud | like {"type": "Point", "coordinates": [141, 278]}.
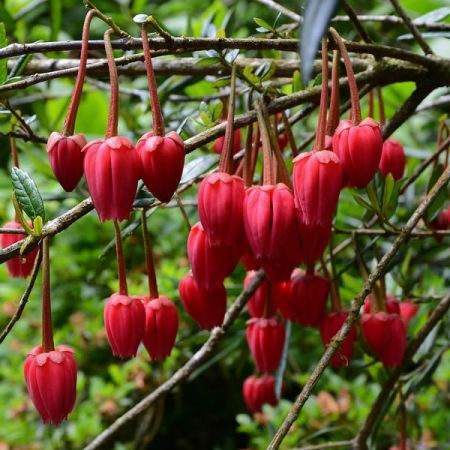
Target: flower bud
{"type": "Point", "coordinates": [313, 240]}
{"type": "Point", "coordinates": [393, 159]}
{"type": "Point", "coordinates": [111, 170]}
{"type": "Point", "coordinates": [220, 203]}
{"type": "Point", "coordinates": [66, 158]}
{"type": "Point", "coordinates": [258, 391]}
{"type": "Point", "coordinates": [161, 327]}
{"type": "Point", "coordinates": [329, 327]}
{"type": "Point", "coordinates": [265, 338]}
{"type": "Point", "coordinates": [124, 318]}
{"type": "Point", "coordinates": [359, 150]}
{"type": "Point", "coordinates": [161, 161]}
{"type": "Point", "coordinates": [218, 145]}
{"type": "Point", "coordinates": [408, 310]}
{"type": "Point", "coordinates": [18, 266]}
{"type": "Point", "coordinates": [206, 306]}
{"type": "Point", "coordinates": [51, 379]}
{"type": "Point", "coordinates": [263, 303]}
{"type": "Point", "coordinates": [210, 265]}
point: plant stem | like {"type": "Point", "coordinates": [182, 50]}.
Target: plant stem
{"type": "Point", "coordinates": [71, 116]}
{"type": "Point", "coordinates": [149, 261]}
{"type": "Point", "coordinates": [123, 287]}
{"type": "Point", "coordinates": [248, 175]}
{"type": "Point", "coordinates": [47, 326]}
{"type": "Point", "coordinates": [158, 122]}
{"type": "Point", "coordinates": [354, 96]}
{"type": "Point", "coordinates": [334, 113]}
{"type": "Point", "coordinates": [382, 118]}
{"type": "Point", "coordinates": [371, 108]}
{"type": "Point", "coordinates": [113, 115]}
{"type": "Point", "coordinates": [319, 143]}
{"type": "Point", "coordinates": [226, 157]}
{"type": "Point", "coordinates": [289, 134]}
{"type": "Point", "coordinates": [268, 169]}
{"type": "Point", "coordinates": [14, 153]}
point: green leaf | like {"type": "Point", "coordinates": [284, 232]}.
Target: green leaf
{"type": "Point", "coordinates": [437, 204]}
{"type": "Point", "coordinates": [221, 82]}
{"type": "Point", "coordinates": [204, 62]}
{"type": "Point", "coordinates": [55, 18]}
{"type": "Point", "coordinates": [3, 62]}
{"type": "Point", "coordinates": [248, 73]}
{"type": "Point", "coordinates": [316, 18]}
{"type": "Point", "coordinates": [362, 202]}
{"type": "Point", "coordinates": [143, 199]}
{"type": "Point", "coordinates": [296, 81]}
{"type": "Point", "coordinates": [389, 184]}
{"type": "Point", "coordinates": [197, 167]}
{"type": "Point", "coordinates": [27, 194]}
{"type": "Point", "coordinates": [263, 24]}
{"type": "Point", "coordinates": [373, 198]}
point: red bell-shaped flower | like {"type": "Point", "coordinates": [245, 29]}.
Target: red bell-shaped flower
{"type": "Point", "coordinates": [265, 338]}
{"type": "Point", "coordinates": [408, 310]}
{"type": "Point", "coordinates": [385, 335]}
{"type": "Point", "coordinates": [112, 171]}
{"type": "Point", "coordinates": [218, 145]}
{"type": "Point", "coordinates": [161, 161]}
{"type": "Point", "coordinates": [124, 318]}
{"type": "Point", "coordinates": [309, 293]}
{"type": "Point", "coordinates": [270, 227]}
{"type": "Point", "coordinates": [258, 391]}
{"type": "Point", "coordinates": [391, 304]}
{"type": "Point", "coordinates": [393, 159]}
{"type": "Point", "coordinates": [210, 265]}
{"type": "Point", "coordinates": [313, 240]}
{"type": "Point", "coordinates": [283, 294]}
{"type": "Point", "coordinates": [206, 306]}
{"type": "Point", "coordinates": [161, 327]}
{"type": "Point", "coordinates": [248, 259]}
{"type": "Point", "coordinates": [317, 180]}
{"type": "Point", "coordinates": [330, 325]}
{"type": "Point", "coordinates": [263, 303]}
{"type": "Point", "coordinates": [19, 266]}
{"type": "Point", "coordinates": [359, 150]}
{"type": "Point", "coordinates": [66, 158]}
{"type": "Point", "coordinates": [220, 203]}
{"type": "Point", "coordinates": [51, 379]}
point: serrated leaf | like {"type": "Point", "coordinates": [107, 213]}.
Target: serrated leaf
{"type": "Point", "coordinates": [3, 62]}
{"type": "Point", "coordinates": [388, 188]}
{"type": "Point", "coordinates": [434, 16]}
{"type": "Point", "coordinates": [27, 194]}
{"type": "Point", "coordinates": [197, 167]}
{"type": "Point", "coordinates": [263, 24]}
{"type": "Point", "coordinates": [362, 202]}
{"type": "Point", "coordinates": [316, 19]}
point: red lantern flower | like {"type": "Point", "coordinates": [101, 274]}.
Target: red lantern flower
{"type": "Point", "coordinates": [393, 159]}
{"type": "Point", "coordinates": [19, 266]}
{"type": "Point", "coordinates": [125, 322]}
{"type": "Point", "coordinates": [258, 391]}
{"type": "Point", "coordinates": [329, 327]}
{"type": "Point", "coordinates": [408, 310]}
{"type": "Point", "coordinates": [111, 171]}
{"type": "Point", "coordinates": [161, 327]}
{"type": "Point", "coordinates": [359, 150]}
{"type": "Point", "coordinates": [66, 158]}
{"type": "Point", "coordinates": [161, 163]}
{"type": "Point", "coordinates": [391, 304]}
{"type": "Point", "coordinates": [210, 265]}
{"type": "Point", "coordinates": [385, 335]}
{"type": "Point", "coordinates": [220, 203]}
{"type": "Point", "coordinates": [263, 303]}
{"type": "Point", "coordinates": [265, 338]}
{"type": "Point", "coordinates": [248, 259]}
{"type": "Point", "coordinates": [206, 306]}
{"type": "Point", "coordinates": [218, 145]}
{"type": "Point", "coordinates": [313, 240]}
{"type": "Point", "coordinates": [51, 379]}
{"type": "Point", "coordinates": [270, 226]}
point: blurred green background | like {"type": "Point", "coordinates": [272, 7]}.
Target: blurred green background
{"type": "Point", "coordinates": [208, 412]}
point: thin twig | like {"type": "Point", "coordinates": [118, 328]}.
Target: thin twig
{"type": "Point", "coordinates": [282, 9]}
{"type": "Point", "coordinates": [354, 18]}
{"type": "Point", "coordinates": [376, 232]}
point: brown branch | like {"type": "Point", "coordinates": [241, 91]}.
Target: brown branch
{"type": "Point", "coordinates": [282, 9]}
{"type": "Point", "coordinates": [24, 300]}
{"type": "Point", "coordinates": [355, 20]}
{"type": "Point", "coordinates": [354, 313]}
{"type": "Point", "coordinates": [326, 446]}
{"type": "Point", "coordinates": [365, 431]}
{"type": "Point", "coordinates": [379, 232]}
{"type": "Point", "coordinates": [410, 24]}
{"type": "Point", "coordinates": [183, 372]}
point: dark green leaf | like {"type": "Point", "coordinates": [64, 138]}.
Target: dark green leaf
{"type": "Point", "coordinates": [197, 167]}
{"type": "Point", "coordinates": [27, 194]}
{"type": "Point", "coordinates": [373, 198]}
{"type": "Point", "coordinates": [362, 202]}
{"type": "Point", "coordinates": [315, 22]}
{"type": "Point", "coordinates": [389, 184]}
{"type": "Point", "coordinates": [143, 199]}
{"type": "Point", "coordinates": [263, 24]}
{"type": "Point", "coordinates": [207, 62]}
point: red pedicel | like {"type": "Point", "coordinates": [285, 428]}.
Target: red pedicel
{"type": "Point", "coordinates": [263, 303]}
{"type": "Point", "coordinates": [258, 391]}
{"type": "Point", "coordinates": [51, 379]}
{"type": "Point", "coordinates": [124, 318]}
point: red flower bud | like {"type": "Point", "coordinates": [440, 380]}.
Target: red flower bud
{"type": "Point", "coordinates": [66, 158]}
{"type": "Point", "coordinates": [258, 391]}
{"type": "Point", "coordinates": [51, 379]}
{"type": "Point", "coordinates": [329, 327]}
{"type": "Point", "coordinates": [19, 266]}
{"type": "Point", "coordinates": [270, 226]}
{"type": "Point", "coordinates": [111, 170]}
{"type": "Point", "coordinates": [308, 294]}
{"type": "Point", "coordinates": [220, 203]}
{"type": "Point", "coordinates": [317, 180]}
{"type": "Point", "coordinates": [385, 335]}
{"type": "Point", "coordinates": [218, 145]}
{"type": "Point", "coordinates": [359, 149]}
{"type": "Point", "coordinates": [210, 265]}
{"type": "Point", "coordinates": [124, 318]}
{"type": "Point", "coordinates": [408, 310]}
{"type": "Point", "coordinates": [313, 241]}
{"type": "Point", "coordinates": [263, 303]}
{"type": "Point", "coordinates": [265, 338]}
{"type": "Point", "coordinates": [393, 159]}
{"type": "Point", "coordinates": [161, 327]}
{"type": "Point", "coordinates": [161, 163]}
{"type": "Point", "coordinates": [206, 306]}
{"type": "Point", "coordinates": [283, 141]}
{"type": "Point", "coordinates": [283, 294]}
{"type": "Point", "coordinates": [442, 221]}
